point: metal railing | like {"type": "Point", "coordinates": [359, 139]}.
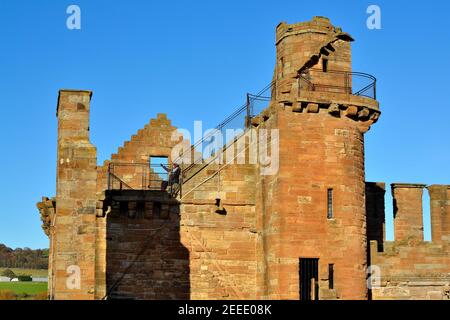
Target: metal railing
{"type": "Point", "coordinates": [115, 183]}
{"type": "Point", "coordinates": [353, 83]}
{"type": "Point", "coordinates": [136, 176]}
{"type": "Point", "coordinates": [143, 176]}
{"type": "Point", "coordinates": [256, 104]}
{"type": "Point", "coordinates": [239, 119]}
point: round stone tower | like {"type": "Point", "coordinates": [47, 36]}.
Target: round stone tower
{"type": "Point", "coordinates": [313, 208]}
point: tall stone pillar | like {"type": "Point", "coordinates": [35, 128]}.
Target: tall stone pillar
{"type": "Point", "coordinates": [440, 212]}
{"type": "Point", "coordinates": [73, 241]}
{"type": "Point", "coordinates": [408, 213]}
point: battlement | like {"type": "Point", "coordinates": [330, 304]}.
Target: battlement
{"type": "Point", "coordinates": [321, 25]}
{"type": "Point", "coordinates": [408, 211]}
{"type": "Point", "coordinates": [409, 266]}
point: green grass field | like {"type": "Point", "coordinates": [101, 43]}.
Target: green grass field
{"type": "Point", "coordinates": [31, 272]}
{"type": "Point", "coordinates": [24, 290]}
{"type": "Point", "coordinates": [29, 288]}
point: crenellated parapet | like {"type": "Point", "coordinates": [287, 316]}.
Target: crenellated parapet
{"type": "Point", "coordinates": [408, 210]}
{"type": "Point", "coordinates": [409, 267]}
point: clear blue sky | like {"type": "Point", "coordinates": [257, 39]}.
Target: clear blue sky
{"type": "Point", "coordinates": [195, 60]}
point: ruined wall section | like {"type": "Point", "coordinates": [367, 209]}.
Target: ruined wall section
{"type": "Point", "coordinates": [188, 247]}
{"type": "Point", "coordinates": [218, 225]}
{"type": "Point", "coordinates": [157, 138]}
{"type": "Point", "coordinates": [131, 165]}
{"type": "Point", "coordinates": [419, 271]}
{"type": "Point", "coordinates": [440, 212]}
{"type": "Point", "coordinates": [73, 231]}
{"type": "Point", "coordinates": [409, 267]}
{"type": "Point", "coordinates": [145, 258]}
{"type": "Point", "coordinates": [305, 45]}
{"type": "Point", "coordinates": [408, 211]}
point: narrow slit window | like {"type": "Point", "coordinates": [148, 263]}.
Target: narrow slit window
{"type": "Point", "coordinates": [331, 276]}
{"type": "Point", "coordinates": [325, 65]}
{"type": "Point", "coordinates": [330, 203]}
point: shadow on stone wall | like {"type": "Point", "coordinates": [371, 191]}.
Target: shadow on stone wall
{"type": "Point", "coordinates": [375, 213]}
{"type": "Point", "coordinates": [145, 258]}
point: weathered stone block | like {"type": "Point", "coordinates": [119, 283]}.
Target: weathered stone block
{"type": "Point", "coordinates": [312, 107]}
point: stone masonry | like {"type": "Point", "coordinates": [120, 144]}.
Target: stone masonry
{"type": "Point", "coordinates": [409, 267]}
{"type": "Point", "coordinates": [309, 230]}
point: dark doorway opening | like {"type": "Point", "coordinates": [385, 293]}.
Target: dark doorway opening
{"type": "Point", "coordinates": [309, 279]}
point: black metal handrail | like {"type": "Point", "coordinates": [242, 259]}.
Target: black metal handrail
{"type": "Point", "coordinates": [256, 104]}
{"type": "Point", "coordinates": [113, 180]}
{"type": "Point", "coordinates": [135, 176]}
{"type": "Point", "coordinates": [246, 111]}
{"type": "Point", "coordinates": [354, 83]}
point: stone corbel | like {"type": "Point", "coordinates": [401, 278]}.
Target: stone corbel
{"type": "Point", "coordinates": [312, 108]}
{"type": "Point", "coordinates": [47, 209]}
{"type": "Point", "coordinates": [334, 110]}
{"type": "Point", "coordinates": [351, 111]}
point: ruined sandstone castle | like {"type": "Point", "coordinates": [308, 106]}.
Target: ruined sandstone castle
{"type": "Point", "coordinates": [309, 231]}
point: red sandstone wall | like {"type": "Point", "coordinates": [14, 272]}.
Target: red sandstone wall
{"type": "Point", "coordinates": [198, 253]}
{"type": "Point", "coordinates": [222, 244]}
{"type": "Point", "coordinates": [155, 139]}
{"type": "Point", "coordinates": [321, 147]}
{"type": "Point", "coordinates": [408, 221]}
{"type": "Point", "coordinates": [412, 271]}
{"type": "Point", "coordinates": [317, 152]}
{"type": "Point", "coordinates": [299, 44]}
{"type": "Point", "coordinates": [409, 267]}
{"type": "Point", "coordinates": [440, 212]}
{"type": "Point", "coordinates": [73, 234]}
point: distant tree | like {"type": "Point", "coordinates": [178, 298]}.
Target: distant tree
{"type": "Point", "coordinates": [9, 273]}
{"type": "Point", "coordinates": [25, 258]}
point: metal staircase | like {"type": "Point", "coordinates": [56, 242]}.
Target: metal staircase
{"type": "Point", "coordinates": [239, 119]}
